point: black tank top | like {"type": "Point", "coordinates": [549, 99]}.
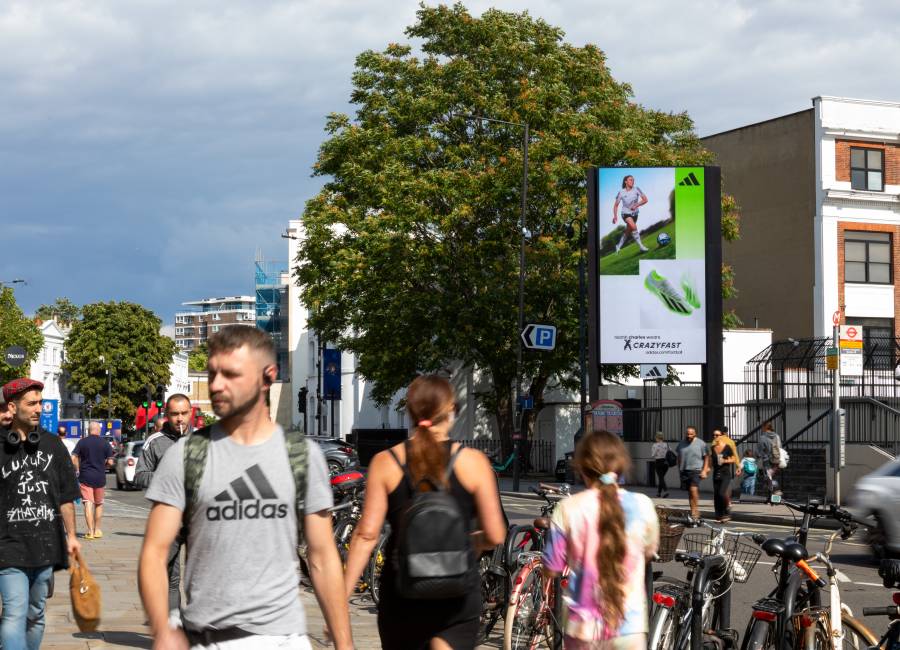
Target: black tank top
{"type": "Point", "coordinates": [443, 612]}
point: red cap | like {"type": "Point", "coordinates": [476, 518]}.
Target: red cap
{"type": "Point", "coordinates": [18, 386]}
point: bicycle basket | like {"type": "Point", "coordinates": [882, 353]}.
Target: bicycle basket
{"type": "Point", "coordinates": [669, 534]}
{"type": "Point", "coordinates": [741, 556]}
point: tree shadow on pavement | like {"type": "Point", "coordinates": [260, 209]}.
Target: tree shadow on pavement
{"type": "Point", "coordinates": [120, 533]}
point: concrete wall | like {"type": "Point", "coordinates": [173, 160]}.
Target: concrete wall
{"type": "Point", "coordinates": [280, 403]}
{"type": "Point", "coordinates": [770, 170]}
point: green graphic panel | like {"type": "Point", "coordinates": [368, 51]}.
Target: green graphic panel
{"type": "Point", "coordinates": [690, 210]}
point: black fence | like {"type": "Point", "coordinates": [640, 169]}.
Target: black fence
{"type": "Point", "coordinates": [541, 459]}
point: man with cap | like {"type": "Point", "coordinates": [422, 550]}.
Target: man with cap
{"type": "Point", "coordinates": [37, 526]}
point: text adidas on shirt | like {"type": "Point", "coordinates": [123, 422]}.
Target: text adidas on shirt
{"type": "Point", "coordinates": [239, 502]}
{"type": "Point", "coordinates": [240, 510]}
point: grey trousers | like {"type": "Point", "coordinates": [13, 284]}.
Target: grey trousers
{"type": "Point", "coordinates": [173, 568]}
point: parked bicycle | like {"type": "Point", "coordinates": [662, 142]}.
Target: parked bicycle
{"type": "Point", "coordinates": [684, 611]}
{"type": "Point", "coordinates": [775, 623]}
{"type": "Point", "coordinates": [533, 613]}
{"type": "Point", "coordinates": [890, 575]}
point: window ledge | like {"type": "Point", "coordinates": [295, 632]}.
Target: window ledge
{"type": "Point", "coordinates": [864, 196]}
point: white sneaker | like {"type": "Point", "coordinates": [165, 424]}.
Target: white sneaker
{"type": "Point", "coordinates": [643, 248]}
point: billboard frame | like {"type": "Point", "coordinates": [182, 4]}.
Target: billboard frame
{"type": "Point", "coordinates": [712, 370]}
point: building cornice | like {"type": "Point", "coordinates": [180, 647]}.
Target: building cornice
{"type": "Point", "coordinates": [861, 134]}
{"type": "Point", "coordinates": [861, 199]}
{"type": "Point", "coordinates": [854, 100]}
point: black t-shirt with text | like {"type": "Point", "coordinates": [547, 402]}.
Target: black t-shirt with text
{"type": "Point", "coordinates": [34, 481]}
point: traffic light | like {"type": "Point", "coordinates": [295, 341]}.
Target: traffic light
{"type": "Point", "coordinates": [159, 404]}
{"type": "Point", "coordinates": [145, 404]}
{"type": "Point", "coordinates": [301, 399]}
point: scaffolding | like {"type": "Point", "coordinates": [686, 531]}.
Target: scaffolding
{"type": "Point", "coordinates": [272, 308]}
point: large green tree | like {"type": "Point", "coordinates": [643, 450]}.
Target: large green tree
{"type": "Point", "coordinates": [63, 310]}
{"type": "Point", "coordinates": [198, 358]}
{"type": "Point", "coordinates": [127, 337]}
{"type": "Point", "coordinates": [16, 329]}
{"type": "Point", "coordinates": [410, 257]}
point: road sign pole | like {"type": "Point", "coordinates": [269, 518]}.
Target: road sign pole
{"type": "Point", "coordinates": [835, 420]}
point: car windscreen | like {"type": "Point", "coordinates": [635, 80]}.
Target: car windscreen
{"type": "Point", "coordinates": [136, 450]}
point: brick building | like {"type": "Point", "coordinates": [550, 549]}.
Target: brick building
{"type": "Point", "coordinates": [194, 326]}
{"type": "Point", "coordinates": [819, 192]}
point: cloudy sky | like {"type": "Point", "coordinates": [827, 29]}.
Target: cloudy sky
{"type": "Point", "coordinates": [148, 148]}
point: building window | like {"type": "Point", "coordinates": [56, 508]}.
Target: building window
{"type": "Point", "coordinates": [867, 257]}
{"type": "Point", "coordinates": [867, 169]}
{"type": "Point", "coordinates": [215, 328]}
{"type": "Point", "coordinates": [217, 317]}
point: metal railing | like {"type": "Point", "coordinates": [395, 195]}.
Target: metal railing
{"type": "Point", "coordinates": [541, 458]}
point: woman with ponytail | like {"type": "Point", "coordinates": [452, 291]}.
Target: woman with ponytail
{"type": "Point", "coordinates": [605, 535]}
{"type": "Point", "coordinates": [421, 464]}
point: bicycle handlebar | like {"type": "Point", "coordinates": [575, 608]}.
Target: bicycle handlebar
{"type": "Point", "coordinates": [881, 611]}
{"type": "Point", "coordinates": [818, 510]}
{"type": "Point", "coordinates": [555, 489]}
{"type": "Point", "coordinates": [341, 506]}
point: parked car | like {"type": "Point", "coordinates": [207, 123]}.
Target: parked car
{"type": "Point", "coordinates": [126, 464]}
{"type": "Point", "coordinates": [339, 454]}
{"type": "Point", "coordinates": [877, 495]}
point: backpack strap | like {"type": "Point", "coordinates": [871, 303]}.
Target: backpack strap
{"type": "Point", "coordinates": [450, 463]}
{"type": "Point", "coordinates": [407, 476]}
{"type": "Point", "coordinates": [196, 446]}
{"type": "Point", "coordinates": [298, 456]}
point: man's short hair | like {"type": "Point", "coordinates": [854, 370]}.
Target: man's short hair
{"type": "Point", "coordinates": [176, 397]}
{"type": "Point", "coordinates": [234, 337]}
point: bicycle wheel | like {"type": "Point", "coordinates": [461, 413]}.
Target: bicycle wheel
{"type": "Point", "coordinates": [522, 629]}
{"type": "Point", "coordinates": [493, 598]}
{"type": "Point", "coordinates": [663, 630]}
{"type": "Point", "coordinates": [373, 571]}
{"type": "Point", "coordinates": [856, 635]}
{"type": "Point", "coordinates": [758, 636]}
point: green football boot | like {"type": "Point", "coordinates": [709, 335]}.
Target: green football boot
{"type": "Point", "coordinates": [673, 301]}
{"type": "Point", "coordinates": [690, 292]}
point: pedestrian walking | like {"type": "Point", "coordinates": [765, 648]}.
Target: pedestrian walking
{"type": "Point", "coordinates": [177, 424]}
{"type": "Point", "coordinates": [91, 456]}
{"type": "Point", "coordinates": [446, 613]}
{"type": "Point", "coordinates": [605, 535]}
{"type": "Point", "coordinates": [660, 453]}
{"type": "Point", "coordinates": [37, 531]}
{"type": "Point", "coordinates": [768, 453]}
{"type": "Point", "coordinates": [722, 461]}
{"type": "Point", "coordinates": [750, 468]}
{"type": "Point", "coordinates": [693, 463]}
{"type": "Point", "coordinates": [242, 487]}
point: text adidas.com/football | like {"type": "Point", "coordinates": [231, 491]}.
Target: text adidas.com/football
{"type": "Point", "coordinates": [240, 510]}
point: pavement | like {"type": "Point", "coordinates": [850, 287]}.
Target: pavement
{"type": "Point", "coordinates": [113, 560]}
{"type": "Point", "coordinates": [750, 510]}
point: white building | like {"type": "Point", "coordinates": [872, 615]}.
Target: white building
{"type": "Point", "coordinates": [179, 380]}
{"type": "Point", "coordinates": [47, 368]}
{"type": "Point", "coordinates": [819, 192]}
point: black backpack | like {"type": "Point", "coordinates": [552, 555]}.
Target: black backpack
{"type": "Point", "coordinates": [433, 554]}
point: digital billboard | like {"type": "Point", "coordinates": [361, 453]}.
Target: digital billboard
{"type": "Point", "coordinates": [650, 239]}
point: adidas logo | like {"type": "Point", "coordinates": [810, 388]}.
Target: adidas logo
{"type": "Point", "coordinates": [654, 372]}
{"type": "Point", "coordinates": [243, 503]}
{"type": "Point", "coordinates": [690, 179]}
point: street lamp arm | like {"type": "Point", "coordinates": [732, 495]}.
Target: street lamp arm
{"type": "Point", "coordinates": [481, 118]}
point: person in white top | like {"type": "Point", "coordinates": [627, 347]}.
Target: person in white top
{"type": "Point", "coordinates": [658, 452]}
{"type": "Point", "coordinates": [631, 198]}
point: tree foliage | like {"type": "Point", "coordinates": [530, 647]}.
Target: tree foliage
{"type": "Point", "coordinates": [127, 336]}
{"type": "Point", "coordinates": [62, 310]}
{"type": "Point", "coordinates": [410, 258]}
{"type": "Point", "coordinates": [197, 358]}
{"type": "Point", "coordinates": [16, 329]}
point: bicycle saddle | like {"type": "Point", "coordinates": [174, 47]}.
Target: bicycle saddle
{"type": "Point", "coordinates": [542, 523]}
{"type": "Point", "coordinates": [795, 552]}
{"type": "Point", "coordinates": [773, 547]}
{"type": "Point", "coordinates": [687, 558]}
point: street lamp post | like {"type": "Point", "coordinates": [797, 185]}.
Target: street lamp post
{"type": "Point", "coordinates": [517, 410]}
{"type": "Point", "coordinates": [582, 325]}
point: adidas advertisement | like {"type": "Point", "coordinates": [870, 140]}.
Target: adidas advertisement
{"type": "Point", "coordinates": [651, 253]}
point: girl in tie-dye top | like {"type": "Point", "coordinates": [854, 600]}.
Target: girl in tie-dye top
{"type": "Point", "coordinates": [605, 535]}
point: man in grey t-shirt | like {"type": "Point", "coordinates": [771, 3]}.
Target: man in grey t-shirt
{"type": "Point", "coordinates": [693, 462]}
{"type": "Point", "coordinates": [241, 582]}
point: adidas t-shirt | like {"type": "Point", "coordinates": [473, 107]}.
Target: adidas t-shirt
{"type": "Point", "coordinates": [630, 199]}
{"type": "Point", "coordinates": [241, 569]}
